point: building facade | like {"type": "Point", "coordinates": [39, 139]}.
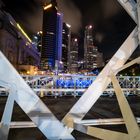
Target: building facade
{"type": "Point", "coordinates": [15, 43]}
{"type": "Point", "coordinates": [73, 56]}
{"type": "Point", "coordinates": [92, 57]}
{"type": "Point", "coordinates": [66, 41]}
{"type": "Point", "coordinates": [58, 52]}
{"type": "Point", "coordinates": [51, 51]}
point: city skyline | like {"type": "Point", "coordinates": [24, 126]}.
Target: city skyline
{"type": "Point", "coordinates": [52, 36]}
{"type": "Point", "coordinates": [111, 23]}
{"type": "Point", "coordinates": [80, 99]}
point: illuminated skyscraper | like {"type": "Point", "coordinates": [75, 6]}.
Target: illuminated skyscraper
{"type": "Point", "coordinates": [73, 61]}
{"type": "Point", "coordinates": [91, 55]}
{"type": "Point", "coordinates": [52, 37]}
{"type": "Point", "coordinates": [66, 35]}
{"type": "Point", "coordinates": [58, 51]}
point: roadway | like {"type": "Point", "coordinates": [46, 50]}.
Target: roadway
{"type": "Point", "coordinates": [105, 108]}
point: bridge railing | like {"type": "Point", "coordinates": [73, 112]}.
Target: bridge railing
{"type": "Point", "coordinates": [75, 85]}
{"type": "Point", "coordinates": [78, 84]}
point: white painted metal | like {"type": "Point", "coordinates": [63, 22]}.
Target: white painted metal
{"type": "Point", "coordinates": [94, 122]}
{"type": "Point", "coordinates": [131, 7]}
{"type": "Point", "coordinates": [92, 94]}
{"type": "Point", "coordinates": [46, 121]}
{"type": "Point", "coordinates": [80, 90]}
{"type": "Point", "coordinates": [126, 111]}
{"type": "Point", "coordinates": [138, 17]}
{"type": "Point", "coordinates": [128, 84]}
{"type": "Point", "coordinates": [128, 117]}
{"type": "Point", "coordinates": [102, 134]}
{"type": "Point", "coordinates": [6, 118]}
{"type": "Point", "coordinates": [135, 61]}
{"type": "Point", "coordinates": [100, 84]}
{"type": "Point", "coordinates": [31, 103]}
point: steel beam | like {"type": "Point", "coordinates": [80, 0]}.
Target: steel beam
{"type": "Point", "coordinates": [101, 133]}
{"type": "Point", "coordinates": [92, 94]}
{"type": "Point", "coordinates": [130, 121]}
{"type": "Point", "coordinates": [135, 61]}
{"type": "Point", "coordinates": [31, 104]}
{"type": "Point", "coordinates": [131, 7]}
{"type": "Point", "coordinates": [6, 118]}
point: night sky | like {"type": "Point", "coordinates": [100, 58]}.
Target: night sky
{"type": "Point", "coordinates": [111, 23]}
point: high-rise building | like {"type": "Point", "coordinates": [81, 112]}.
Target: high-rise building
{"type": "Point", "coordinates": [91, 55]}
{"type": "Point", "coordinates": [66, 35]}
{"type": "Point", "coordinates": [58, 51]}
{"type": "Point", "coordinates": [16, 45]}
{"type": "Point", "coordinates": [73, 60]}
{"type": "Point", "coordinates": [100, 61]}
{"type": "Point", "coordinates": [52, 37]}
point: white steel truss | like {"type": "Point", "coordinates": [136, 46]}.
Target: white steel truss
{"type": "Point", "coordinates": [30, 103]}
{"type": "Point", "coordinates": [89, 98]}
{"type": "Point", "coordinates": [47, 122]}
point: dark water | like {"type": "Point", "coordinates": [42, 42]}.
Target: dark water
{"type": "Point", "coordinates": [105, 107]}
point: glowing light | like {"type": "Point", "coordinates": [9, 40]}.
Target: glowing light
{"type": "Point", "coordinates": [75, 39]}
{"type": "Point", "coordinates": [68, 25]}
{"type": "Point", "coordinates": [27, 44]}
{"type": "Point", "coordinates": [90, 26]}
{"type": "Point", "coordinates": [28, 72]}
{"type": "Point", "coordinates": [48, 6]}
{"type": "Point", "coordinates": [41, 93]}
{"type": "Point", "coordinates": [61, 62]}
{"type": "Point", "coordinates": [56, 8]}
{"type": "Point", "coordinates": [12, 23]}
{"type": "Point", "coordinates": [35, 72]}
{"type": "Point", "coordinates": [70, 83]}
{"type": "Point", "coordinates": [59, 14]}
{"type": "Point", "coordinates": [35, 37]}
{"type": "Point", "coordinates": [19, 27]}
{"type": "Point", "coordinates": [40, 32]}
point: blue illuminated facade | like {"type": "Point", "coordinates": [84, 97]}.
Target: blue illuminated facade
{"type": "Point", "coordinates": [71, 83]}
{"type": "Point", "coordinates": [51, 51]}
{"type": "Point", "coordinates": [59, 37]}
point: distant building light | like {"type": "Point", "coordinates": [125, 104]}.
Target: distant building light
{"type": "Point", "coordinates": [68, 25]}
{"type": "Point", "coordinates": [63, 45]}
{"type": "Point", "coordinates": [40, 32]}
{"type": "Point", "coordinates": [50, 33]}
{"type": "Point", "coordinates": [28, 72]}
{"type": "Point", "coordinates": [27, 44]}
{"type": "Point", "coordinates": [90, 26]}
{"type": "Point", "coordinates": [19, 27]}
{"type": "Point", "coordinates": [61, 62]}
{"type": "Point", "coordinates": [59, 14]}
{"type": "Point", "coordinates": [48, 6]}
{"type": "Point", "coordinates": [75, 39]}
{"type": "Point", "coordinates": [12, 23]}
{"type": "Point", "coordinates": [95, 55]}
{"type": "Point", "coordinates": [56, 8]}
{"type": "Point", "coordinates": [74, 52]}
{"type": "Point", "coordinates": [35, 37]}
